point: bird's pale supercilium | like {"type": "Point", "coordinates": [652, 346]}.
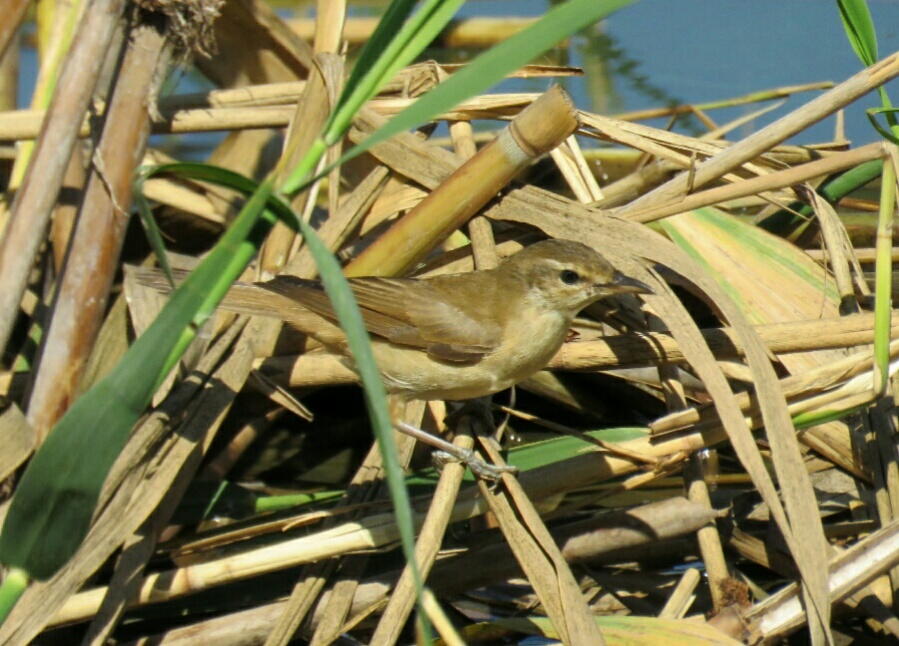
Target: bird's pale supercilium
{"type": "Point", "coordinates": [461, 336]}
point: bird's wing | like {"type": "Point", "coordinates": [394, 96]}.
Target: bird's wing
{"type": "Point", "coordinates": [405, 312]}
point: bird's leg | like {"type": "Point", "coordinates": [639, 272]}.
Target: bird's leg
{"type": "Point", "coordinates": [448, 451]}
{"type": "Point", "coordinates": [478, 415]}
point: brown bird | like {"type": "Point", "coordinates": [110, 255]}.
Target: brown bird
{"type": "Point", "coordinates": [462, 336]}
{"type": "Point", "coordinates": [456, 336]}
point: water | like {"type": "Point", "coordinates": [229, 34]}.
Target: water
{"type": "Point", "coordinates": [658, 52]}
{"type": "Point", "coordinates": [695, 51]}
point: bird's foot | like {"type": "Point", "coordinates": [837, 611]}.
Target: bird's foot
{"type": "Point", "coordinates": [480, 468]}
{"type": "Point", "coordinates": [448, 452]}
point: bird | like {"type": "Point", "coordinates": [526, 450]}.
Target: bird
{"type": "Point", "coordinates": [467, 335]}
{"type": "Point", "coordinates": [455, 337]}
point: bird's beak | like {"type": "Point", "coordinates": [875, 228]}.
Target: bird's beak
{"type": "Point", "coordinates": [621, 284]}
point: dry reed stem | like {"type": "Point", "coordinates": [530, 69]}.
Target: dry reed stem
{"type": "Point", "coordinates": [821, 379]}
{"type": "Point", "coordinates": [469, 32]}
{"type": "Point", "coordinates": [287, 93]}
{"type": "Point", "coordinates": [312, 110]}
{"type": "Point", "coordinates": [839, 248]}
{"type": "Point", "coordinates": [93, 254]}
{"type": "Point", "coordinates": [535, 131]}
{"type": "Point", "coordinates": [865, 255]}
{"type": "Point", "coordinates": [850, 570]}
{"type": "Point", "coordinates": [34, 202]}
{"type": "Point", "coordinates": [336, 617]}
{"type": "Point", "coordinates": [768, 137]}
{"type": "Point", "coordinates": [11, 16]}
{"type": "Point", "coordinates": [271, 106]}
{"type": "Point", "coordinates": [379, 529]}
{"type": "Point", "coordinates": [710, 543]}
{"type": "Point", "coordinates": [330, 23]}
{"type": "Point", "coordinates": [584, 540]}
{"type": "Point", "coordinates": [772, 181]}
{"type": "Point", "coordinates": [427, 545]}
{"type": "Point", "coordinates": [19, 125]}
{"type": "Point", "coordinates": [17, 438]}
{"type": "Point", "coordinates": [539, 556]}
{"type": "Point", "coordinates": [682, 597]}
{"type": "Point", "coordinates": [754, 97]}
{"type": "Point", "coordinates": [366, 485]}
{"type": "Point", "coordinates": [663, 145]}
{"type": "Point", "coordinates": [139, 547]}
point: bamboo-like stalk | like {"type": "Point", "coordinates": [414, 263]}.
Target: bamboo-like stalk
{"type": "Point", "coordinates": [467, 32]}
{"type": "Point", "coordinates": [534, 132]}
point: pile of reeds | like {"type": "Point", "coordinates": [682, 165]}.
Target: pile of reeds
{"type": "Point", "coordinates": [722, 461]}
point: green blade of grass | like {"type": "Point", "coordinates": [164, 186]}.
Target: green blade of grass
{"type": "Point", "coordinates": [859, 29]}
{"type": "Point", "coordinates": [395, 43]}
{"type": "Point", "coordinates": [51, 511]}
{"type": "Point", "coordinates": [860, 32]}
{"type": "Point", "coordinates": [492, 66]}
{"type": "Point", "coordinates": [390, 23]}
{"type": "Point", "coordinates": [484, 72]}
{"type": "Point", "coordinates": [408, 42]}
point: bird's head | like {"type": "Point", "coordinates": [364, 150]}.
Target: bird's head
{"type": "Point", "coordinates": [569, 275]}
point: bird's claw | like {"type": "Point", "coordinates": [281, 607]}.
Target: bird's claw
{"type": "Point", "coordinates": [479, 467]}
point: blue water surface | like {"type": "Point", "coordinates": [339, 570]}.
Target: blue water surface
{"type": "Point", "coordinates": [658, 52]}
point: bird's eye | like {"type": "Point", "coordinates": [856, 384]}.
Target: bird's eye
{"type": "Point", "coordinates": [569, 277]}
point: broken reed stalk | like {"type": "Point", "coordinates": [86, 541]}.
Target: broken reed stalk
{"type": "Point", "coordinates": [537, 129]}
